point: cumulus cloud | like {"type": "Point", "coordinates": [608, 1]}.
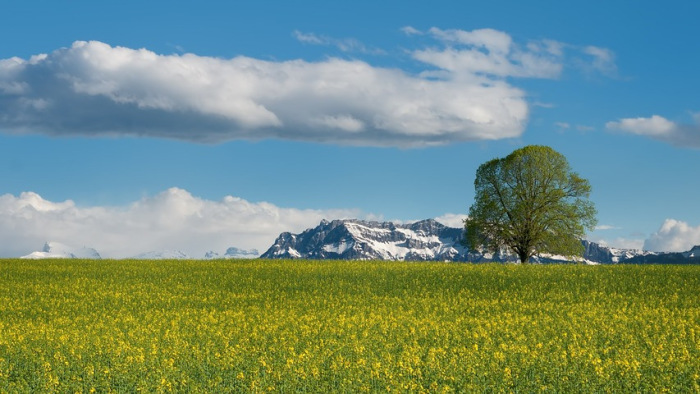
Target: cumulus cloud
{"type": "Point", "coordinates": [662, 129]}
{"type": "Point", "coordinates": [673, 236]}
{"type": "Point", "coordinates": [94, 89]}
{"type": "Point", "coordinates": [462, 92]}
{"type": "Point", "coordinates": [656, 126]}
{"type": "Point", "coordinates": [173, 219]}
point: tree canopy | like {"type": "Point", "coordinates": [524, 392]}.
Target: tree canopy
{"type": "Point", "coordinates": [530, 202]}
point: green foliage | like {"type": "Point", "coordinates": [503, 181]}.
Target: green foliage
{"type": "Point", "coordinates": [530, 202]}
{"type": "Point", "coordinates": [339, 326]}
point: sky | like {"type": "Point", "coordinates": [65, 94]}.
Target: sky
{"type": "Point", "coordinates": [137, 126]}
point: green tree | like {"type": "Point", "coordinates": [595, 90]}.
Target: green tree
{"type": "Point", "coordinates": [530, 202]}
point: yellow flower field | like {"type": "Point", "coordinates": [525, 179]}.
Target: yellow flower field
{"type": "Point", "coordinates": [329, 326]}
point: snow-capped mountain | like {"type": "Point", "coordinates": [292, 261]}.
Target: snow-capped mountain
{"type": "Point", "coordinates": [233, 253]}
{"type": "Point", "coordinates": [57, 250]}
{"type": "Point", "coordinates": [211, 255]}
{"type": "Point", "coordinates": [364, 240]}
{"type": "Point", "coordinates": [606, 255]}
{"type": "Point", "coordinates": [429, 240]}
{"type": "Point", "coordinates": [236, 253]}
{"type": "Point", "coordinates": [162, 255]}
{"type": "Point", "coordinates": [690, 257]}
{"type": "Point", "coordinates": [693, 253]}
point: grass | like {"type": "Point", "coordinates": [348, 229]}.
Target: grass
{"type": "Point", "coordinates": [344, 326]}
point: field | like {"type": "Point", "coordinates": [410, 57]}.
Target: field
{"type": "Point", "coordinates": [260, 325]}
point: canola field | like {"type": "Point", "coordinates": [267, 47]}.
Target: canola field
{"type": "Point", "coordinates": [339, 326]}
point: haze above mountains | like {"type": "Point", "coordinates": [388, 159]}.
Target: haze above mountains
{"type": "Point", "coordinates": [426, 240]}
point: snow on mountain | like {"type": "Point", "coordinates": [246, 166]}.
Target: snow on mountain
{"type": "Point", "coordinates": [365, 240]}
{"type": "Point", "coordinates": [233, 253]}
{"type": "Point", "coordinates": [690, 257]}
{"type": "Point", "coordinates": [57, 250]}
{"type": "Point", "coordinates": [236, 253]}
{"type": "Point", "coordinates": [429, 240]}
{"type": "Point", "coordinates": [211, 255]}
{"type": "Point", "coordinates": [162, 255]}
{"type": "Point", "coordinates": [606, 255]}
{"type": "Point", "coordinates": [693, 253]}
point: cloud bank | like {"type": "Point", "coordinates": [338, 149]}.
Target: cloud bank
{"type": "Point", "coordinates": [94, 89]}
{"type": "Point", "coordinates": [460, 92]}
{"type": "Point", "coordinates": [173, 219]}
{"type": "Point", "coordinates": [662, 129]}
{"type": "Point", "coordinates": [673, 236]}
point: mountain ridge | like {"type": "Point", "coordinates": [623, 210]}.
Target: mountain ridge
{"type": "Point", "coordinates": [429, 240]}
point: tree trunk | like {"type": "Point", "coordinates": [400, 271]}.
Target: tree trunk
{"type": "Point", "coordinates": [524, 257]}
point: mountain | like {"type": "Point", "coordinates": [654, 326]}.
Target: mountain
{"type": "Point", "coordinates": [606, 255]}
{"type": "Point", "coordinates": [56, 250]}
{"type": "Point", "coordinates": [162, 255]}
{"type": "Point", "coordinates": [429, 240]}
{"type": "Point", "coordinates": [365, 240]}
{"type": "Point", "coordinates": [690, 257]}
{"type": "Point", "coordinates": [233, 253]}
{"type": "Point", "coordinates": [692, 253]}
{"type": "Point", "coordinates": [236, 253]}
{"type": "Point", "coordinates": [212, 255]}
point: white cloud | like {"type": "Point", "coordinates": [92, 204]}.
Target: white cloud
{"type": "Point", "coordinates": [656, 126]}
{"type": "Point", "coordinates": [622, 243]}
{"type": "Point", "coordinates": [492, 40]}
{"type": "Point", "coordinates": [346, 123]}
{"type": "Point", "coordinates": [411, 31]}
{"type": "Point", "coordinates": [344, 44]}
{"type": "Point", "coordinates": [459, 93]}
{"type": "Point", "coordinates": [94, 89]}
{"type": "Point", "coordinates": [660, 128]}
{"type": "Point", "coordinates": [673, 236]}
{"type": "Point", "coordinates": [452, 220]}
{"type": "Point", "coordinates": [562, 125]}
{"type": "Point", "coordinates": [173, 219]}
{"type": "Point", "coordinates": [603, 60]}
{"type": "Point", "coordinates": [606, 227]}
{"type": "Point", "coordinates": [495, 53]}
{"type": "Point", "coordinates": [308, 38]}
{"type": "Point", "coordinates": [492, 52]}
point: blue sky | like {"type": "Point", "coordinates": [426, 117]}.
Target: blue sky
{"type": "Point", "coordinates": [133, 126]}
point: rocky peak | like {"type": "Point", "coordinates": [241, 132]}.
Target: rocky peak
{"type": "Point", "coordinates": [429, 240]}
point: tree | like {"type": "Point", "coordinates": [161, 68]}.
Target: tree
{"type": "Point", "coordinates": [530, 202]}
